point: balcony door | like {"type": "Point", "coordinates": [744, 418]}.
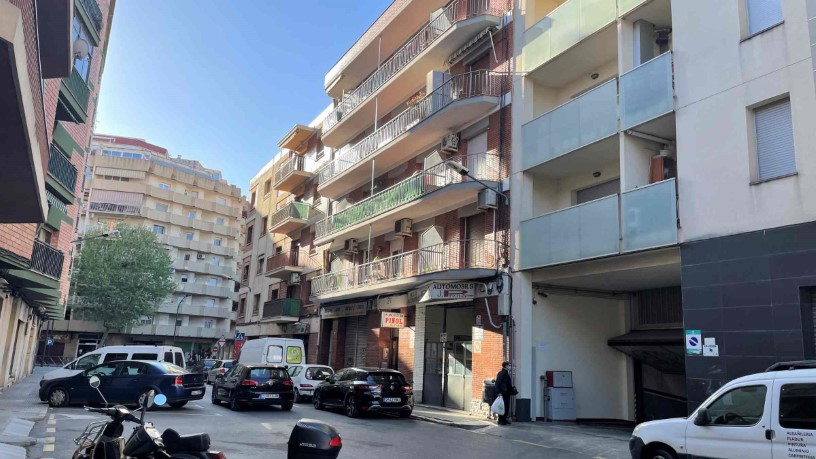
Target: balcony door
{"type": "Point", "coordinates": [474, 245]}
{"type": "Point", "coordinates": [431, 250]}
{"type": "Point", "coordinates": [477, 156]}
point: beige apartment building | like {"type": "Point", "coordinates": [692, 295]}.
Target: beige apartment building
{"type": "Point", "coordinates": [194, 212]}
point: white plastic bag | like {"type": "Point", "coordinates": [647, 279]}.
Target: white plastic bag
{"type": "Point", "coordinates": [498, 406]}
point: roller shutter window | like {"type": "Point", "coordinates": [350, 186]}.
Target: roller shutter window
{"type": "Point", "coordinates": [763, 14]}
{"type": "Point", "coordinates": [355, 346]}
{"type": "Point", "coordinates": [774, 140]}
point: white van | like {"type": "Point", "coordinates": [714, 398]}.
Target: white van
{"type": "Point", "coordinates": [276, 351]}
{"type": "Point", "coordinates": [764, 415]}
{"type": "Point", "coordinates": [105, 354]}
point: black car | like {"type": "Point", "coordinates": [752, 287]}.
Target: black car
{"type": "Point", "coordinates": [203, 366]}
{"type": "Point", "coordinates": [126, 382]}
{"type": "Point", "coordinates": [247, 385]}
{"type": "Point", "coordinates": [365, 390]}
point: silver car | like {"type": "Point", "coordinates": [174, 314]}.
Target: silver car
{"type": "Point", "coordinates": [306, 378]}
{"type": "Point", "coordinates": [220, 367]}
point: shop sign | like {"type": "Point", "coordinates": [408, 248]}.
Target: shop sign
{"type": "Point", "coordinates": [477, 333]}
{"type": "Point", "coordinates": [344, 310]}
{"type": "Point", "coordinates": [392, 302]}
{"type": "Point", "coordinates": [392, 320]}
{"type": "Point", "coordinates": [444, 292]}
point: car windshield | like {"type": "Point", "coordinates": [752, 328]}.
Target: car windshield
{"type": "Point", "coordinates": [209, 363]}
{"type": "Point", "coordinates": [173, 369]}
{"type": "Point", "coordinates": [265, 374]}
{"type": "Point", "coordinates": [381, 378]}
{"type": "Point", "coordinates": [318, 373]}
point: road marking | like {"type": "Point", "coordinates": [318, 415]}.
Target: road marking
{"type": "Point", "coordinates": [50, 430]}
{"type": "Point", "coordinates": [48, 448]}
{"type": "Point", "coordinates": [533, 444]}
{"type": "Point", "coordinates": [267, 425]}
{"type": "Point", "coordinates": [51, 417]}
{"type": "Point", "coordinates": [184, 414]}
{"type": "Point", "coordinates": [50, 440]}
{"type": "Point", "coordinates": [52, 421]}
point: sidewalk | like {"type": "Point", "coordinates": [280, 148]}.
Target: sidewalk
{"type": "Point", "coordinates": [593, 441]}
{"type": "Point", "coordinates": [20, 407]}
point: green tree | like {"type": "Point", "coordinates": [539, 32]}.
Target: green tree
{"type": "Point", "coordinates": [120, 279]}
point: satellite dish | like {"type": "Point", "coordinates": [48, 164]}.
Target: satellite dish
{"type": "Point", "coordinates": [81, 49]}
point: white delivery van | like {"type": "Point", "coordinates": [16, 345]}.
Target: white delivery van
{"type": "Point", "coordinates": [275, 351]}
{"type": "Point", "coordinates": [764, 415]}
{"type": "Point", "coordinates": [105, 354]}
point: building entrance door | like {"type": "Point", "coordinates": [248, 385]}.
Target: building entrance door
{"type": "Point", "coordinates": [459, 378]}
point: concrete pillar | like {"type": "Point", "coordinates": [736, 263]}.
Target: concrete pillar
{"type": "Point", "coordinates": [419, 351]}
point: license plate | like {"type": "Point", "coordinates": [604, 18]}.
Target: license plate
{"type": "Point", "coordinates": [392, 399]}
{"type": "Point", "coordinates": [197, 392]}
{"type": "Point", "coordinates": [269, 396]}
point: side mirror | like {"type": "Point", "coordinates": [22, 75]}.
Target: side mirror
{"type": "Point", "coordinates": [702, 418]}
{"type": "Point", "coordinates": [94, 381]}
{"type": "Point", "coordinates": [331, 379]}
{"type": "Point", "coordinates": [312, 438]}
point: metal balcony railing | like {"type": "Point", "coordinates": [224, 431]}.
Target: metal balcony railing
{"type": "Point", "coordinates": [92, 8]}
{"type": "Point", "coordinates": [484, 166]}
{"type": "Point", "coordinates": [456, 11]}
{"type": "Point", "coordinates": [46, 260]}
{"type": "Point", "coordinates": [460, 254]}
{"type": "Point", "coordinates": [61, 168]}
{"type": "Point", "coordinates": [294, 163]}
{"type": "Point", "coordinates": [78, 88]}
{"type": "Point", "coordinates": [114, 208]}
{"type": "Point", "coordinates": [289, 307]}
{"type": "Point", "coordinates": [299, 210]}
{"type": "Point", "coordinates": [54, 201]}
{"type": "Point", "coordinates": [462, 86]}
{"type": "Point", "coordinates": [297, 258]}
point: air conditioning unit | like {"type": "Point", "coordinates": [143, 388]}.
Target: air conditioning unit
{"type": "Point", "coordinates": [350, 246]}
{"type": "Point", "coordinates": [450, 143]}
{"type": "Point", "coordinates": [402, 227]}
{"type": "Point", "coordinates": [487, 200]}
{"type": "Point", "coordinates": [294, 279]}
{"type": "Point", "coordinates": [201, 256]}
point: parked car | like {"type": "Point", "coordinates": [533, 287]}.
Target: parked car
{"type": "Point", "coordinates": [306, 378]}
{"type": "Point", "coordinates": [221, 367]}
{"type": "Point", "coordinates": [365, 390]}
{"type": "Point", "coordinates": [250, 384]}
{"type": "Point", "coordinates": [203, 366]}
{"type": "Point", "coordinates": [273, 351]}
{"type": "Point", "coordinates": [125, 382]}
{"type": "Point", "coordinates": [756, 416]}
{"type": "Point", "coordinates": [169, 354]}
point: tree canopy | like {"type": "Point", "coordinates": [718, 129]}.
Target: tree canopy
{"type": "Point", "coordinates": [121, 278]}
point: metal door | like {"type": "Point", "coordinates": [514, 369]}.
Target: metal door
{"type": "Point", "coordinates": [432, 379]}
{"type": "Point", "coordinates": [459, 379]}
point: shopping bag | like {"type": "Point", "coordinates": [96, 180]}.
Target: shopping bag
{"type": "Point", "coordinates": [498, 406]}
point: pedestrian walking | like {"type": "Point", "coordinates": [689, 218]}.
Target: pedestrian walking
{"type": "Point", "coordinates": [505, 389]}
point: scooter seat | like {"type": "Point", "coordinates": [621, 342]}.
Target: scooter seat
{"type": "Point", "coordinates": [174, 443]}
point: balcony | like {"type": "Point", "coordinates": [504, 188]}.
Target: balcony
{"type": "Point", "coordinates": [61, 169]}
{"type": "Point", "coordinates": [457, 102]}
{"type": "Point", "coordinates": [46, 260]}
{"type": "Point", "coordinates": [292, 173]}
{"type": "Point", "coordinates": [639, 219]}
{"type": "Point", "coordinates": [282, 310]}
{"type": "Point", "coordinates": [431, 192]}
{"type": "Point", "coordinates": [289, 217]}
{"type": "Point", "coordinates": [290, 261]}
{"type": "Point", "coordinates": [73, 101]}
{"type": "Point", "coordinates": [196, 288]}
{"type": "Point", "coordinates": [194, 310]}
{"type": "Point", "coordinates": [114, 208]}
{"type": "Point", "coordinates": [459, 259]}
{"type": "Point", "coordinates": [204, 268]}
{"type": "Point", "coordinates": [573, 39]}
{"type": "Point", "coordinates": [395, 78]}
{"type": "Point", "coordinates": [91, 8]}
{"type": "Point", "coordinates": [182, 332]}
{"type": "Point", "coordinates": [647, 95]}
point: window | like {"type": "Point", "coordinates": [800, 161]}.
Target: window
{"type": "Point", "coordinates": [213, 282]}
{"type": "Point", "coordinates": [194, 194]}
{"type": "Point", "coordinates": [189, 236]}
{"type": "Point", "coordinates": [774, 140]}
{"type": "Point", "coordinates": [82, 66]}
{"type": "Point", "coordinates": [178, 322]}
{"type": "Point", "coordinates": [168, 357]}
{"type": "Point", "coordinates": [158, 229]}
{"type": "Point", "coordinates": [249, 234]}
{"type": "Point", "coordinates": [186, 257]}
{"type": "Point", "coordinates": [257, 305]}
{"type": "Point", "coordinates": [260, 269]}
{"type": "Point", "coordinates": [184, 278]}
{"type": "Point", "coordinates": [262, 375]}
{"type": "Point", "coordinates": [210, 302]}
{"type": "Point", "coordinates": [318, 373]}
{"type": "Point", "coordinates": [113, 356]}
{"type": "Point", "coordinates": [215, 261]}
{"type": "Point", "coordinates": [264, 225]}
{"type": "Point", "coordinates": [87, 361]}
{"type": "Point", "coordinates": [222, 201]}
{"type": "Point", "coordinates": [219, 221]}
{"type": "Point", "coordinates": [164, 186]}
{"type": "Point", "coordinates": [274, 354]}
{"type": "Point", "coordinates": [104, 370]}
{"type": "Point", "coordinates": [252, 200]}
{"type": "Point", "coordinates": [134, 368]}
{"type": "Point", "coordinates": [179, 359]}
{"type": "Point", "coordinates": [294, 354]}
{"type": "Point", "coordinates": [191, 214]}
{"type": "Point", "coordinates": [294, 371]}
{"type": "Point", "coordinates": [797, 406]}
{"type": "Point", "coordinates": [161, 207]}
{"type": "Point", "coordinates": [145, 356]}
{"type": "Point", "coordinates": [267, 187]}
{"type": "Point", "coordinates": [234, 371]}
{"type": "Point", "coordinates": [217, 242]}
{"type": "Point", "coordinates": [208, 324]}
{"type": "Point", "coordinates": [763, 14]}
{"type": "Point", "coordinates": [145, 320]}
{"type": "Point", "coordinates": [742, 406]}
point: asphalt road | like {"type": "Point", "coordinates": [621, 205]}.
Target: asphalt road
{"type": "Point", "coordinates": [259, 433]}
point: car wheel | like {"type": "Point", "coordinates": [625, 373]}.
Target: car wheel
{"type": "Point", "coordinates": [317, 402]}
{"type": "Point", "coordinates": [287, 406]}
{"type": "Point", "coordinates": [660, 453]}
{"type": "Point", "coordinates": [351, 407]}
{"type": "Point", "coordinates": [234, 405]}
{"type": "Point", "coordinates": [298, 397]}
{"type": "Point", "coordinates": [214, 399]}
{"type": "Point", "coordinates": [405, 414]}
{"type": "Point", "coordinates": [177, 404]}
{"type": "Point", "coordinates": [142, 398]}
{"type": "Point", "coordinates": [58, 397]}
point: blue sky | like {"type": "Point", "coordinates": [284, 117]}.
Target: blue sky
{"type": "Point", "coordinates": [223, 81]}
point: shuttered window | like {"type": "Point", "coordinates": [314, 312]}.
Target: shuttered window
{"type": "Point", "coordinates": [763, 14]}
{"type": "Point", "coordinates": [774, 140]}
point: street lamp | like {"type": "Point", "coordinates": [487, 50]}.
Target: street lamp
{"type": "Point", "coordinates": [175, 324]}
{"type": "Point", "coordinates": [111, 234]}
{"type": "Point", "coordinates": [465, 172]}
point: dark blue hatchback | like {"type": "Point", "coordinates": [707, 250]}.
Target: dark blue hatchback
{"type": "Point", "coordinates": [125, 382]}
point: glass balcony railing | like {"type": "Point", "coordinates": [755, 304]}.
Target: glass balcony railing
{"type": "Point", "coordinates": [638, 219]}
{"type": "Point", "coordinates": [564, 27]}
{"type": "Point", "coordinates": [464, 254]}
{"type": "Point", "coordinates": [61, 168]}
{"type": "Point", "coordinates": [584, 120]}
{"type": "Point", "coordinates": [647, 91]}
{"type": "Point", "coordinates": [625, 6]}
{"type": "Point", "coordinates": [46, 260]}
{"type": "Point", "coordinates": [485, 166]}
{"type": "Point", "coordinates": [456, 11]}
{"type": "Point", "coordinates": [284, 307]}
{"type": "Point", "coordinates": [92, 8]}
{"type": "Point", "coordinates": [462, 86]}
{"type": "Point", "coordinates": [297, 210]}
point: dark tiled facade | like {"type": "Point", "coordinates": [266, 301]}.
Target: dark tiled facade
{"type": "Point", "coordinates": [751, 292]}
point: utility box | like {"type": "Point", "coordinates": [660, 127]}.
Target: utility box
{"type": "Point", "coordinates": [560, 396]}
{"type": "Point", "coordinates": [559, 379]}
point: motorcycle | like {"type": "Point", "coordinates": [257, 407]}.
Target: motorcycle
{"type": "Point", "coordinates": [103, 439]}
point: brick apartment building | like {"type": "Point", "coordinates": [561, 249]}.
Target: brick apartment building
{"type": "Point", "coordinates": [397, 255]}
{"type": "Point", "coordinates": [49, 90]}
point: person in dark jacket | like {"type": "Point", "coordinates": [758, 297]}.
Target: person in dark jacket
{"type": "Point", "coordinates": [504, 388]}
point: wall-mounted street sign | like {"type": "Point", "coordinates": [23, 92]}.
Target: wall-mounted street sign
{"type": "Point", "coordinates": [694, 342]}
